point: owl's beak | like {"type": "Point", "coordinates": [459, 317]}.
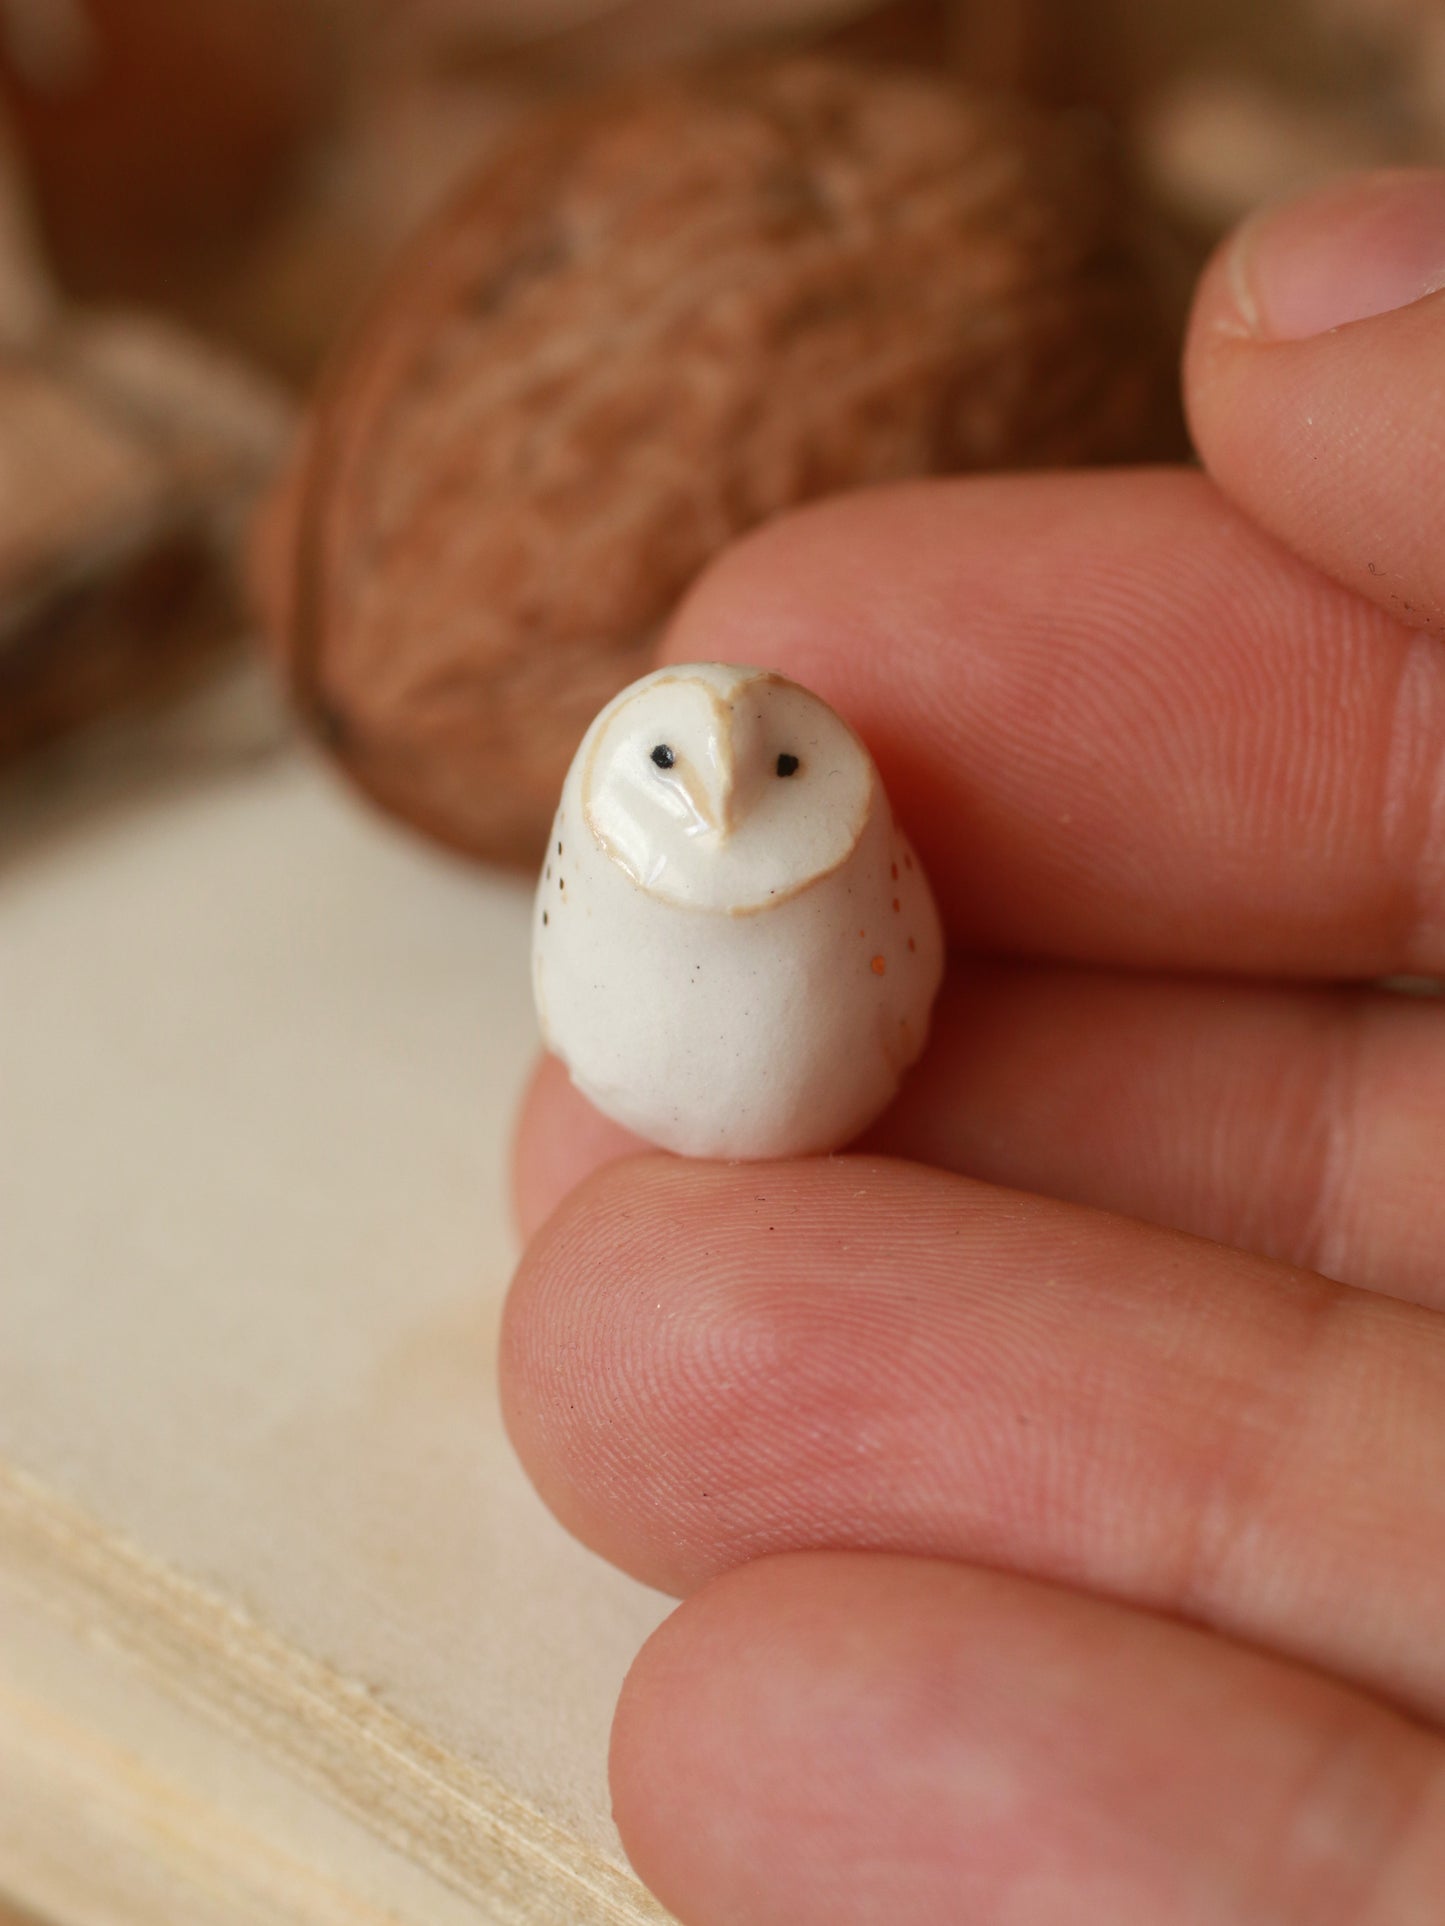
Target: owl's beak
{"type": "Point", "coordinates": [698, 792]}
{"type": "Point", "coordinates": [708, 812]}
{"type": "Point", "coordinates": [719, 788]}
{"type": "Point", "coordinates": [741, 765]}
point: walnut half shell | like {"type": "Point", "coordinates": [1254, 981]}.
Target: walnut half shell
{"type": "Point", "coordinates": [655, 320]}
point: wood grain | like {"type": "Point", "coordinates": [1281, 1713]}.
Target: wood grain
{"type": "Point", "coordinates": [283, 1632]}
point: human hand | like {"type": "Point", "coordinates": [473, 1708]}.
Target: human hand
{"type": "Point", "coordinates": [1057, 1485]}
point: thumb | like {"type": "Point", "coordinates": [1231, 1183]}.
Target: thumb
{"type": "Point", "coordinates": [1315, 382]}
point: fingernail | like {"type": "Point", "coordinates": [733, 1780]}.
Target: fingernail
{"type": "Point", "coordinates": [1364, 247]}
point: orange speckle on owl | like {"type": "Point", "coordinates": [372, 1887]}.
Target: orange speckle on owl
{"type": "Point", "coordinates": [911, 944]}
{"type": "Point", "coordinates": [878, 966]}
{"type": "Point", "coordinates": [895, 872]}
{"type": "Point", "coordinates": [896, 906]}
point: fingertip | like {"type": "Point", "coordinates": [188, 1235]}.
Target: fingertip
{"type": "Point", "coordinates": [561, 1335]}
{"type": "Point", "coordinates": [1218, 321]}
{"type": "Point", "coordinates": [561, 1140]}
{"type": "Point", "coordinates": [852, 1738]}
{"type": "Point", "coordinates": [759, 1722]}
{"type": "Point", "coordinates": [1359, 247]}
{"type": "Point", "coordinates": [1362, 246]}
{"type": "Point", "coordinates": [1312, 386]}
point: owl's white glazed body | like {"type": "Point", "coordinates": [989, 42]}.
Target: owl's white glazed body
{"type": "Point", "coordinates": [704, 988]}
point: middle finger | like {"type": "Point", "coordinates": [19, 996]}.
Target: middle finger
{"type": "Point", "coordinates": [705, 1363]}
{"type": "Point", "coordinates": [1304, 1124]}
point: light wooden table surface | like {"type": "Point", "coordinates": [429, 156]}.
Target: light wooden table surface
{"type": "Point", "coordinates": [285, 1634]}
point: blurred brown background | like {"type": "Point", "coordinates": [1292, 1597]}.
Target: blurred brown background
{"type": "Point", "coordinates": [246, 165]}
{"type": "Point", "coordinates": [195, 200]}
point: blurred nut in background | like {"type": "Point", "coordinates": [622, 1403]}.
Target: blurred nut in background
{"type": "Point", "coordinates": [658, 318]}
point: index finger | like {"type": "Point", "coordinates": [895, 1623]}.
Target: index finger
{"type": "Point", "coordinates": [1121, 723]}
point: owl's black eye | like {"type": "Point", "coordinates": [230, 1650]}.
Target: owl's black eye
{"type": "Point", "coordinates": [663, 756]}
{"type": "Point", "coordinates": [787, 765]}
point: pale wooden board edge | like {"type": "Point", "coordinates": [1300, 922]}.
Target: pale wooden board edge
{"type": "Point", "coordinates": [439, 1811]}
{"type": "Point", "coordinates": [92, 1835]}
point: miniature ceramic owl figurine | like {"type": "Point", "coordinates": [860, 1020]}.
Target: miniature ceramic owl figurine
{"type": "Point", "coordinates": [735, 950]}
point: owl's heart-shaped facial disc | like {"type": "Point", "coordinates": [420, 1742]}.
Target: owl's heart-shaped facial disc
{"type": "Point", "coordinates": [725, 789]}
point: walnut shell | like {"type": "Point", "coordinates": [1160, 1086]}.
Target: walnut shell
{"type": "Point", "coordinates": [654, 321]}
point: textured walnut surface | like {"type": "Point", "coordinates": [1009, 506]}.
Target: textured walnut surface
{"type": "Point", "coordinates": [655, 321]}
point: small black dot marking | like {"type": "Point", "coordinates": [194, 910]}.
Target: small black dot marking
{"type": "Point", "coordinates": [561, 882]}
{"type": "Point", "coordinates": [544, 919]}
{"type": "Point", "coordinates": [559, 849]}
{"type": "Point", "coordinates": [787, 765]}
{"type": "Point", "coordinates": [663, 756]}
